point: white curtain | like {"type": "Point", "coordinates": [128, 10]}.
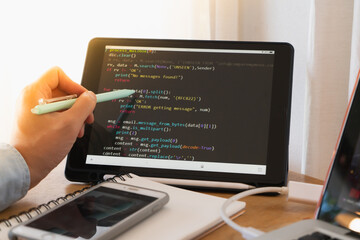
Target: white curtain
{"type": "Point", "coordinates": [328, 68]}
{"type": "Point", "coordinates": [38, 34]}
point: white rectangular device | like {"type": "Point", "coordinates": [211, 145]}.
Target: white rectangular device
{"type": "Point", "coordinates": [102, 212]}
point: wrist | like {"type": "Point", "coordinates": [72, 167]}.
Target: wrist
{"type": "Point", "coordinates": [26, 153]}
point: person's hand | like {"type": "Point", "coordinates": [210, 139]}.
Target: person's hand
{"type": "Point", "coordinates": [45, 140]}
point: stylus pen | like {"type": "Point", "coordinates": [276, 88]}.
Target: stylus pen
{"type": "Point", "coordinates": [66, 104]}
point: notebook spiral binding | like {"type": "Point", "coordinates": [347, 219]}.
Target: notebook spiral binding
{"type": "Point", "coordinates": [35, 211]}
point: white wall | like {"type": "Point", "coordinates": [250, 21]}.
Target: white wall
{"type": "Point", "coordinates": [39, 34]}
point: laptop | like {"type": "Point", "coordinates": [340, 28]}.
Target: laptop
{"type": "Point", "coordinates": [338, 213]}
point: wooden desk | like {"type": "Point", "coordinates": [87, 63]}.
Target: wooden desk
{"type": "Point", "coordinates": [262, 212]}
{"type": "Point", "coordinates": [267, 213]}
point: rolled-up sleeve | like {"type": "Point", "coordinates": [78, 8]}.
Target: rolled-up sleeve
{"type": "Point", "coordinates": [14, 176]}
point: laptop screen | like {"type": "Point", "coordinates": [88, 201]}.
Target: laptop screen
{"type": "Point", "coordinates": [341, 201]}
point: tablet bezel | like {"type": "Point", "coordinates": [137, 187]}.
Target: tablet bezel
{"type": "Point", "coordinates": [277, 166]}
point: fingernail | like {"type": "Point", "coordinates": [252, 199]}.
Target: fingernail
{"type": "Point", "coordinates": [91, 94]}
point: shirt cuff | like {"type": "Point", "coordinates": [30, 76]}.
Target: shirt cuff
{"type": "Point", "coordinates": [14, 176]}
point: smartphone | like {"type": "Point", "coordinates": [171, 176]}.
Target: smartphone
{"type": "Point", "coordinates": [103, 212]}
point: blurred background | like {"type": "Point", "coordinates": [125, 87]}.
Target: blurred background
{"type": "Point", "coordinates": [39, 34]}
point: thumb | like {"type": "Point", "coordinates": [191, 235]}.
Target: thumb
{"type": "Point", "coordinates": [83, 106]}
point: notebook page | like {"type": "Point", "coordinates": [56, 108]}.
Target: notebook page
{"type": "Point", "coordinates": [187, 215]}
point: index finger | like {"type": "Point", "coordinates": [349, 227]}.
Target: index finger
{"type": "Point", "coordinates": [55, 78]}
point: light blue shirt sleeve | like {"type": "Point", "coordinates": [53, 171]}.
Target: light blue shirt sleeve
{"type": "Point", "coordinates": [14, 176]}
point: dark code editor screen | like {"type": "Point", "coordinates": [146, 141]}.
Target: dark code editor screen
{"type": "Point", "coordinates": [193, 108]}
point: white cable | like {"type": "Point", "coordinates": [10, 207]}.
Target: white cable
{"type": "Point", "coordinates": [247, 232]}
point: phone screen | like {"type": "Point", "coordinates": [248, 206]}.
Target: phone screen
{"type": "Point", "coordinates": [92, 213]}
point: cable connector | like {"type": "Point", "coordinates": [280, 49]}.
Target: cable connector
{"type": "Point", "coordinates": [304, 192]}
{"type": "Point", "coordinates": [296, 191]}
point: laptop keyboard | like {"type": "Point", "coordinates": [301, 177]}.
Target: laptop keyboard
{"type": "Point", "coordinates": [317, 236]}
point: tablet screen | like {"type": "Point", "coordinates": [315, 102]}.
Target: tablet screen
{"type": "Point", "coordinates": [194, 109]}
{"type": "Point", "coordinates": [197, 109]}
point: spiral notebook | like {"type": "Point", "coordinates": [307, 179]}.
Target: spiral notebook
{"type": "Point", "coordinates": [172, 222]}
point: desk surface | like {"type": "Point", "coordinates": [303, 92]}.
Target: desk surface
{"type": "Point", "coordinates": [262, 212]}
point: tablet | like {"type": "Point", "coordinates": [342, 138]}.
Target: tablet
{"type": "Point", "coordinates": [202, 111]}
